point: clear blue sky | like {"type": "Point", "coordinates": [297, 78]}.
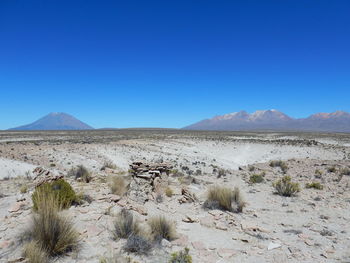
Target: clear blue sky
{"type": "Point", "coordinates": [171, 63]}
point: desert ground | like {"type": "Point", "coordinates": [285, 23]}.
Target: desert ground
{"type": "Point", "coordinates": [310, 226]}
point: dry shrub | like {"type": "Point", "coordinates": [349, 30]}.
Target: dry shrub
{"type": "Point", "coordinates": [285, 186]}
{"type": "Point", "coordinates": [345, 171]}
{"type": "Point", "coordinates": [80, 173]}
{"type": "Point", "coordinates": [257, 178]}
{"type": "Point", "coordinates": [125, 224]}
{"type": "Point", "coordinates": [23, 189]}
{"type": "Point", "coordinates": [118, 185]}
{"type": "Point", "coordinates": [161, 228]}
{"type": "Point", "coordinates": [169, 192]}
{"type": "Point", "coordinates": [315, 185]}
{"type": "Point", "coordinates": [34, 253]}
{"type": "Point", "coordinates": [108, 164]}
{"type": "Point", "coordinates": [279, 164]}
{"type": "Point", "coordinates": [51, 231]}
{"type": "Point", "coordinates": [224, 198]}
{"type": "Point", "coordinates": [138, 244]}
{"type": "Point", "coordinates": [332, 169]}
{"type": "Point", "coordinates": [181, 256]}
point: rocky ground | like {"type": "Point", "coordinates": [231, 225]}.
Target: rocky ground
{"type": "Point", "coordinates": [309, 227]}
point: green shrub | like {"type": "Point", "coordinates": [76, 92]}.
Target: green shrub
{"type": "Point", "coordinates": [80, 173]}
{"type": "Point", "coordinates": [60, 189]}
{"type": "Point", "coordinates": [279, 164]}
{"type": "Point", "coordinates": [125, 224]}
{"type": "Point", "coordinates": [161, 228]}
{"type": "Point", "coordinates": [285, 186]}
{"type": "Point", "coordinates": [224, 198]}
{"type": "Point", "coordinates": [315, 185]}
{"type": "Point", "coordinates": [181, 257]}
{"type": "Point", "coordinates": [256, 178]}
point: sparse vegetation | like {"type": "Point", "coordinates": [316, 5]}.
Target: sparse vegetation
{"type": "Point", "coordinates": [23, 189]}
{"type": "Point", "coordinates": [60, 190]}
{"type": "Point", "coordinates": [169, 192]}
{"type": "Point", "coordinates": [108, 164]}
{"type": "Point", "coordinates": [315, 185]}
{"type": "Point", "coordinates": [80, 173]}
{"type": "Point", "coordinates": [285, 186]}
{"type": "Point", "coordinates": [345, 171]}
{"type": "Point", "coordinates": [50, 231]}
{"type": "Point", "coordinates": [82, 198]}
{"type": "Point", "coordinates": [125, 225]}
{"type": "Point", "coordinates": [138, 244]}
{"type": "Point", "coordinates": [181, 256]}
{"type": "Point", "coordinates": [225, 199]}
{"type": "Point", "coordinates": [279, 164]}
{"type": "Point", "coordinates": [118, 185]}
{"type": "Point", "coordinates": [257, 178]}
{"type": "Point", "coordinates": [161, 228]}
{"type": "Point", "coordinates": [34, 253]}
{"type": "Point", "coordinates": [332, 169]}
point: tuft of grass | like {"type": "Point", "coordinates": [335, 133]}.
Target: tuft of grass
{"type": "Point", "coordinates": [279, 164]}
{"type": "Point", "coordinates": [125, 225]}
{"type": "Point", "coordinates": [257, 178]}
{"type": "Point", "coordinates": [285, 186]}
{"type": "Point", "coordinates": [118, 185]}
{"type": "Point", "coordinates": [34, 253]}
{"type": "Point", "coordinates": [181, 256]}
{"type": "Point", "coordinates": [80, 173]}
{"type": "Point", "coordinates": [82, 198]}
{"type": "Point", "coordinates": [51, 232]}
{"type": "Point", "coordinates": [169, 192]}
{"type": "Point", "coordinates": [318, 172]}
{"type": "Point", "coordinates": [315, 185]}
{"type": "Point", "coordinates": [108, 164]}
{"type": "Point", "coordinates": [138, 244]}
{"type": "Point", "coordinates": [224, 198]}
{"type": "Point", "coordinates": [345, 171]}
{"type": "Point", "coordinates": [60, 190]}
{"type": "Point", "coordinates": [23, 189]}
{"type": "Point", "coordinates": [161, 228]}
{"type": "Point", "coordinates": [332, 169]}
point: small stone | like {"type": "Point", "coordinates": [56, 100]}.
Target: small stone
{"type": "Point", "coordinates": [165, 243]}
{"type": "Point", "coordinates": [273, 245]}
{"type": "Point", "coordinates": [16, 207]}
{"type": "Point", "coordinates": [198, 245]}
{"type": "Point", "coordinates": [220, 225]}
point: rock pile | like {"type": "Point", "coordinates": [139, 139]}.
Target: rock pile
{"type": "Point", "coordinates": [147, 179]}
{"type": "Point", "coordinates": [149, 170]}
{"type": "Point", "coordinates": [43, 176]}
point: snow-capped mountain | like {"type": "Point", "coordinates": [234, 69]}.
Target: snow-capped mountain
{"type": "Point", "coordinates": [338, 121]}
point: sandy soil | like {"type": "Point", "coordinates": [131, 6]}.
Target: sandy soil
{"type": "Point", "coordinates": [310, 227]}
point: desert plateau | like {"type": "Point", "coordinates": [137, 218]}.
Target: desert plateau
{"type": "Point", "coordinates": [171, 175]}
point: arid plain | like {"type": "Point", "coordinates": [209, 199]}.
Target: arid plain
{"type": "Point", "coordinates": [169, 173]}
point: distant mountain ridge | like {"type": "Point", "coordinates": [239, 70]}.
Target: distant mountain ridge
{"type": "Point", "coordinates": [338, 121]}
{"type": "Point", "coordinates": [56, 121]}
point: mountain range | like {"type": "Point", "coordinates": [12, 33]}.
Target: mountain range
{"type": "Point", "coordinates": [275, 120]}
{"type": "Point", "coordinates": [56, 121]}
